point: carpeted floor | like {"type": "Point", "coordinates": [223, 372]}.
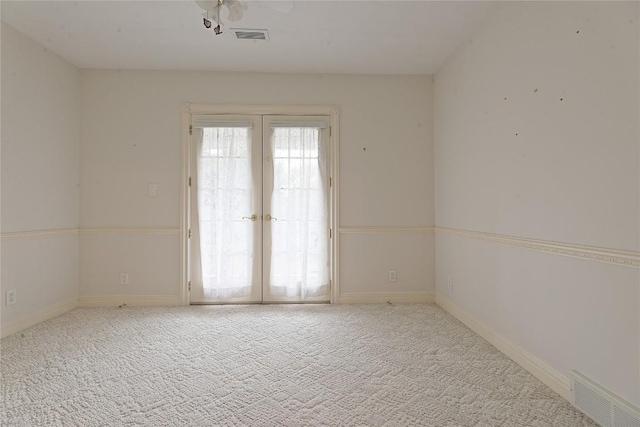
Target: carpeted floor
{"type": "Point", "coordinates": [271, 365]}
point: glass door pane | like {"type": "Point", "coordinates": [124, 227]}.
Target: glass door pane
{"type": "Point", "coordinates": [227, 225]}
{"type": "Point", "coordinates": [296, 209]}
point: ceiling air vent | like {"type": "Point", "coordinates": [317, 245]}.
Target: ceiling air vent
{"type": "Point", "coordinates": [251, 34]}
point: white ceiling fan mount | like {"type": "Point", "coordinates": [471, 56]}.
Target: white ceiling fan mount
{"type": "Point", "coordinates": [236, 9]}
{"type": "Point", "coordinates": [213, 9]}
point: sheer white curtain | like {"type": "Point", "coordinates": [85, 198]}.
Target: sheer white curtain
{"type": "Point", "coordinates": [224, 197]}
{"type": "Point", "coordinates": [299, 235]}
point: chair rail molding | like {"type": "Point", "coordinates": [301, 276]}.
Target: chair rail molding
{"type": "Point", "coordinates": [87, 231]}
{"type": "Point", "coordinates": [39, 234]}
{"type": "Point", "coordinates": [97, 231]}
{"type": "Point", "coordinates": [610, 256]}
{"type": "Point", "coordinates": [384, 229]}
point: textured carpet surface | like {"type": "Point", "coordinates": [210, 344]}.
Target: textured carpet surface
{"type": "Point", "coordinates": [312, 365]}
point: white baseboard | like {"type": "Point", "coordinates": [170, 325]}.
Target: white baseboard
{"type": "Point", "coordinates": [388, 297]}
{"type": "Point", "coordinates": [130, 300]}
{"type": "Point", "coordinates": [539, 369]}
{"type": "Point", "coordinates": [30, 320]}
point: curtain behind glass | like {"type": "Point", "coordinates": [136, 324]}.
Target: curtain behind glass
{"type": "Point", "coordinates": [299, 237]}
{"type": "Point", "coordinates": [224, 197]}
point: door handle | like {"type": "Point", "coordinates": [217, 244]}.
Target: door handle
{"type": "Point", "coordinates": [252, 217]}
{"type": "Point", "coordinates": [269, 217]}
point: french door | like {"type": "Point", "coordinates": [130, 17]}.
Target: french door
{"type": "Point", "coordinates": [260, 223]}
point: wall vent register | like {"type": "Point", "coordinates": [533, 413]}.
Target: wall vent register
{"type": "Point", "coordinates": [602, 406]}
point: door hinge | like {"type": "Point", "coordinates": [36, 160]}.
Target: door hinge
{"type": "Point", "coordinates": [330, 233]}
{"type": "Point", "coordinates": [330, 283]}
{"type": "Point", "coordinates": [189, 286]}
{"type": "Point", "coordinates": [189, 181]}
{"type": "Point", "coordinates": [330, 182]}
{"type": "Point", "coordinates": [189, 233]}
{"type": "Point", "coordinates": [329, 130]}
{"type": "Point", "coordinates": [190, 129]}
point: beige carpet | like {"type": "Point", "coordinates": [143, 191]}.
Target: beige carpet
{"type": "Point", "coordinates": [377, 365]}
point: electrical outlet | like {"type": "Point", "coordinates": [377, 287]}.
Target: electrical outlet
{"type": "Point", "coordinates": [450, 284]}
{"type": "Point", "coordinates": [124, 278]}
{"type": "Point", "coordinates": [153, 190]}
{"type": "Point", "coordinates": [12, 297]}
{"type": "Point", "coordinates": [393, 276]}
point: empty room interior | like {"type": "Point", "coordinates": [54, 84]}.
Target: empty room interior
{"type": "Point", "coordinates": [306, 213]}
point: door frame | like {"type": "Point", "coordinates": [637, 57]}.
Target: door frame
{"type": "Point", "coordinates": [187, 110]}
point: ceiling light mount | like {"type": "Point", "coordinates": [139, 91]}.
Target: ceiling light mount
{"type": "Point", "coordinates": [214, 7]}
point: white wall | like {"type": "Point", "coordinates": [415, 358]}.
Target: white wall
{"type": "Point", "coordinates": [537, 136]}
{"type": "Point", "coordinates": [40, 175]}
{"type": "Point", "coordinates": [131, 137]}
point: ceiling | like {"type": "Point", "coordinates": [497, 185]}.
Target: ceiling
{"type": "Point", "coordinates": [354, 37]}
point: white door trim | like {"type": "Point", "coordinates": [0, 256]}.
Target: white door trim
{"type": "Point", "coordinates": [188, 109]}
